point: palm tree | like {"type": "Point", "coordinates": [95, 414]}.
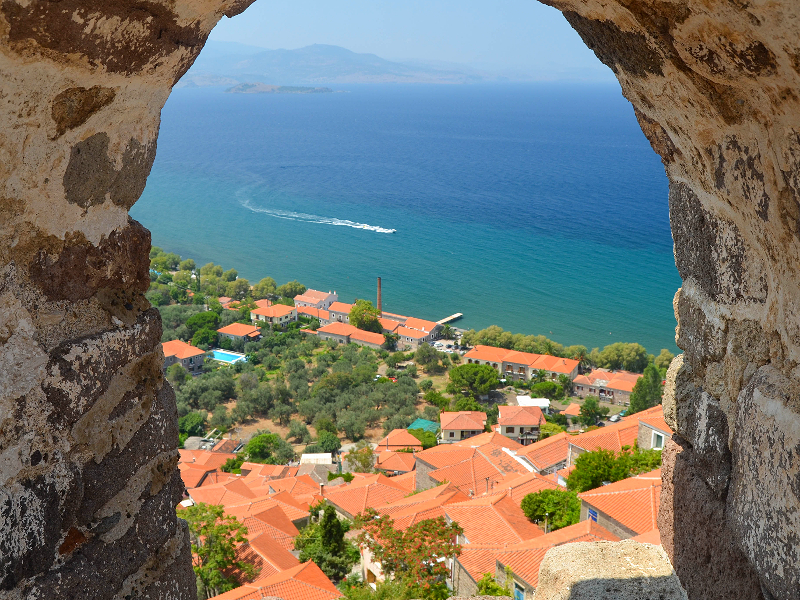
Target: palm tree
{"type": "Point", "coordinates": [447, 332]}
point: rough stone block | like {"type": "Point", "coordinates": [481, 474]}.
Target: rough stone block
{"type": "Point", "coordinates": [624, 570]}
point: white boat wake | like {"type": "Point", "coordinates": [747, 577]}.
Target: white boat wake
{"type": "Point", "coordinates": [295, 216]}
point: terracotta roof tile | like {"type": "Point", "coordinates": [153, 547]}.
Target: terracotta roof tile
{"type": "Point", "coordinates": [517, 488]}
{"type": "Point", "coordinates": [611, 437]}
{"type": "Point", "coordinates": [397, 439]}
{"type": "Point", "coordinates": [193, 475]}
{"type": "Point", "coordinates": [316, 313]}
{"type": "Point", "coordinates": [212, 460]}
{"type": "Point", "coordinates": [547, 452]}
{"type": "Point", "coordinates": [632, 502]}
{"type": "Point", "coordinates": [304, 582]}
{"type": "Point", "coordinates": [465, 420]}
{"type": "Point", "coordinates": [492, 520]}
{"type": "Point", "coordinates": [228, 493]}
{"type": "Point", "coordinates": [267, 556]}
{"type": "Point", "coordinates": [479, 559]}
{"type": "Point", "coordinates": [657, 422]}
{"type": "Point", "coordinates": [340, 307]}
{"type": "Point", "coordinates": [407, 481]}
{"type": "Point", "coordinates": [649, 537]}
{"type": "Point", "coordinates": [338, 328]}
{"type": "Point", "coordinates": [369, 492]}
{"type": "Point", "coordinates": [180, 350]}
{"type": "Point", "coordinates": [522, 416]}
{"type": "Point", "coordinates": [395, 461]}
{"type": "Point", "coordinates": [239, 329]}
{"type": "Point", "coordinates": [274, 311]}
{"type": "Point", "coordinates": [410, 333]}
{"type": "Point", "coordinates": [368, 337]}
{"type": "Point", "coordinates": [420, 324]}
{"type": "Point", "coordinates": [573, 410]}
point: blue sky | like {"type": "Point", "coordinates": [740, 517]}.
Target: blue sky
{"type": "Point", "coordinates": [513, 36]}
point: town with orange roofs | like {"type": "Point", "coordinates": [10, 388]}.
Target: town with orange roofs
{"type": "Point", "coordinates": [502, 455]}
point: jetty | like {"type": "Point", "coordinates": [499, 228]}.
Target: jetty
{"type": "Point", "coordinates": [450, 319]}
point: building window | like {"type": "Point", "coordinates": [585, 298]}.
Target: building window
{"type": "Point", "coordinates": [519, 592]}
{"type": "Point", "coordinates": [658, 441]}
{"type": "Point", "coordinates": [452, 434]}
{"type": "Point", "coordinates": [511, 430]}
{"type": "Point", "coordinates": [593, 515]}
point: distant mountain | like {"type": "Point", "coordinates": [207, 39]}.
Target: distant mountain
{"type": "Point", "coordinates": [261, 88]}
{"type": "Point", "coordinates": [225, 63]}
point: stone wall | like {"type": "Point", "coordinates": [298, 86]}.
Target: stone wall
{"type": "Point", "coordinates": [715, 87]}
{"type": "Point", "coordinates": [88, 427]}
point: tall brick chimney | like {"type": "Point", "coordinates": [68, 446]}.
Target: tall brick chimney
{"type": "Point", "coordinates": [380, 309]}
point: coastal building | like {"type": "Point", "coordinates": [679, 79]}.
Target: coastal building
{"type": "Point", "coordinates": [522, 366]}
{"type": "Point", "coordinates": [572, 412]}
{"type": "Point", "coordinates": [239, 331]}
{"type": "Point", "coordinates": [457, 426]}
{"type": "Point", "coordinates": [626, 508]}
{"type": "Point", "coordinates": [653, 430]}
{"type": "Point", "coordinates": [339, 312]}
{"type": "Point", "coordinates": [520, 423]}
{"type": "Point", "coordinates": [322, 315]}
{"type": "Point", "coordinates": [188, 356]}
{"type": "Point", "coordinates": [614, 387]}
{"type": "Point", "coordinates": [399, 439]}
{"type": "Point", "coordinates": [548, 455]}
{"type": "Point", "coordinates": [277, 315]}
{"type": "Point", "coordinates": [315, 299]}
{"type": "Point", "coordinates": [344, 333]}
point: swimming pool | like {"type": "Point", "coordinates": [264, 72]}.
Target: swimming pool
{"type": "Point", "coordinates": [227, 357]}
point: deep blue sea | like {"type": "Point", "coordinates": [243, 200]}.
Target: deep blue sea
{"type": "Point", "coordinates": [539, 207]}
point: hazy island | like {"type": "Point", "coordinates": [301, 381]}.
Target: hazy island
{"type": "Point", "coordinates": [263, 88]}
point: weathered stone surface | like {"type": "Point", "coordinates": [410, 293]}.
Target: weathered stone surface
{"type": "Point", "coordinates": [624, 570]}
{"type": "Point", "coordinates": [88, 426]}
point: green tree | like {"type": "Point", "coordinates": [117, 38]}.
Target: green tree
{"type": "Point", "coordinates": [418, 554]}
{"type": "Point", "coordinates": [487, 586]}
{"type": "Point", "coordinates": [323, 543]}
{"type": "Point", "coordinates": [204, 320]}
{"type": "Point", "coordinates": [298, 432]}
{"type": "Point", "coordinates": [214, 537]}
{"type": "Point", "coordinates": [664, 359]}
{"type": "Point", "coordinates": [192, 424]}
{"type": "Point", "coordinates": [177, 375]}
{"type": "Point", "coordinates": [328, 442]}
{"type": "Point", "coordinates": [365, 316]}
{"type": "Point", "coordinates": [204, 338]}
{"type": "Point", "coordinates": [390, 341]}
{"type": "Point", "coordinates": [291, 289]}
{"type": "Point", "coordinates": [266, 288]}
{"type": "Point", "coordinates": [426, 438]}
{"type": "Point", "coordinates": [427, 358]}
{"type": "Point", "coordinates": [447, 332]}
{"type": "Point", "coordinates": [268, 448]}
{"type": "Point", "coordinates": [548, 429]}
{"type": "Point", "coordinates": [592, 469]}
{"type": "Point", "coordinates": [647, 391]}
{"type": "Point", "coordinates": [566, 384]}
{"type": "Point", "coordinates": [324, 424]}
{"type": "Point", "coordinates": [238, 289]}
{"type": "Point", "coordinates": [476, 380]}
{"type": "Point", "coordinates": [187, 265]}
{"type": "Point", "coordinates": [425, 385]}
{"type": "Point", "coordinates": [547, 389]}
{"type": "Point", "coordinates": [230, 275]}
{"type": "Point", "coordinates": [361, 458]}
{"type": "Point", "coordinates": [591, 411]}
{"type": "Point", "coordinates": [556, 508]}
{"type": "Point", "coordinates": [631, 357]}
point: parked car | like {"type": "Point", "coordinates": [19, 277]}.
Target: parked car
{"type": "Point", "coordinates": [614, 418]}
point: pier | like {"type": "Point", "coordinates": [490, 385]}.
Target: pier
{"type": "Point", "coordinates": [450, 319]}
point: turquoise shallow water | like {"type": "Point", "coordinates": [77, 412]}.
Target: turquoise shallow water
{"type": "Point", "coordinates": [539, 208]}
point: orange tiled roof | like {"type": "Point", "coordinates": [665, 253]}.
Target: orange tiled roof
{"type": "Point", "coordinates": [317, 313]}
{"type": "Point", "coordinates": [573, 410]}
{"type": "Point", "coordinates": [492, 520]}
{"type": "Point", "coordinates": [632, 502]}
{"type": "Point", "coordinates": [227, 493]}
{"type": "Point", "coordinates": [258, 504]}
{"type": "Point", "coordinates": [338, 328]}
{"type": "Point", "coordinates": [517, 487]}
{"type": "Point", "coordinates": [489, 437]}
{"type": "Point", "coordinates": [440, 491]}
{"type": "Point", "coordinates": [399, 438]}
{"type": "Point", "coordinates": [340, 307]}
{"type": "Point", "coordinates": [193, 475]}
{"type": "Point", "coordinates": [304, 582]}
{"type": "Point", "coordinates": [311, 296]}
{"type": "Point", "coordinates": [555, 364]}
{"type": "Point", "coordinates": [657, 422]}
{"type": "Point", "coordinates": [370, 492]}
{"type": "Point", "coordinates": [463, 420]}
{"type": "Point", "coordinates": [299, 486]}
{"type": "Point", "coordinates": [389, 324]}
{"type": "Point", "coordinates": [271, 520]}
{"type": "Point", "coordinates": [611, 437]}
{"type": "Point", "coordinates": [406, 481]}
{"type": "Point", "coordinates": [410, 333]}
{"type": "Point", "coordinates": [479, 559]}
{"type": "Point", "coordinates": [523, 416]}
{"type": "Point", "coordinates": [214, 477]}
{"type": "Point", "coordinates": [547, 452]}
{"type": "Point", "coordinates": [180, 350]}
{"type": "Point", "coordinates": [526, 557]}
{"type": "Point", "coordinates": [212, 460]}
{"type": "Point", "coordinates": [420, 324]}
{"type": "Point", "coordinates": [649, 537]}
{"type": "Point", "coordinates": [267, 556]}
{"type": "Point", "coordinates": [395, 461]}
{"type": "Point", "coordinates": [432, 508]}
{"type": "Point", "coordinates": [368, 336]}
{"type": "Point", "coordinates": [274, 311]}
{"type": "Point", "coordinates": [612, 380]}
{"type": "Point", "coordinates": [489, 353]}
{"type": "Point", "coordinates": [239, 329]}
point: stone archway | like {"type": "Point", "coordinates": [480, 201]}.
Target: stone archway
{"type": "Point", "coordinates": [88, 427]}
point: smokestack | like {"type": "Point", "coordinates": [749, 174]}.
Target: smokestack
{"type": "Point", "coordinates": [380, 309]}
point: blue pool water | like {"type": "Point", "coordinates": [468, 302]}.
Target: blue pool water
{"type": "Point", "coordinates": [227, 357]}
